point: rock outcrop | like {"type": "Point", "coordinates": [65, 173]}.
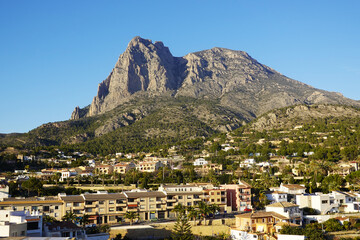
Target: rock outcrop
{"type": "Point", "coordinates": [231, 77]}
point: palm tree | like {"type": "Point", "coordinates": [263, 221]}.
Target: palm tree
{"type": "Point", "coordinates": [179, 209]}
{"type": "Point", "coordinates": [92, 178]}
{"type": "Point", "coordinates": [56, 177]}
{"type": "Point", "coordinates": [203, 210]}
{"type": "Point", "coordinates": [193, 213]}
{"type": "Point", "coordinates": [84, 220]}
{"type": "Point", "coordinates": [214, 208]}
{"type": "Point", "coordinates": [70, 217]}
{"type": "Point", "coordinates": [131, 216]}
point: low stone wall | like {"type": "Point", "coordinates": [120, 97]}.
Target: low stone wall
{"type": "Point", "coordinates": [163, 230]}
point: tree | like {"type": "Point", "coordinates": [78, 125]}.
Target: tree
{"type": "Point", "coordinates": [84, 219]}
{"type": "Point", "coordinates": [333, 225]}
{"type": "Point", "coordinates": [32, 184]}
{"type": "Point", "coordinates": [70, 217]}
{"type": "Point", "coordinates": [47, 218]}
{"type": "Point", "coordinates": [182, 228]}
{"type": "Point", "coordinates": [214, 208]}
{"type": "Point", "coordinates": [56, 177]}
{"type": "Point", "coordinates": [193, 213]}
{"type": "Point", "coordinates": [131, 216]}
{"type": "Point", "coordinates": [204, 210]}
{"type": "Point", "coordinates": [179, 209]}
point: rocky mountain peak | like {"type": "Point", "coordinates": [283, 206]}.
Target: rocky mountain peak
{"type": "Point", "coordinates": [231, 77]}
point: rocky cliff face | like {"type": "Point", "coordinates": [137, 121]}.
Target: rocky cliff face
{"type": "Point", "coordinates": [233, 78]}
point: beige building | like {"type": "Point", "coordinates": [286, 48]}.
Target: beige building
{"type": "Point", "coordinates": [123, 167]}
{"type": "Point", "coordinates": [215, 196]}
{"type": "Point", "coordinates": [51, 206]}
{"type": "Point", "coordinates": [104, 169]}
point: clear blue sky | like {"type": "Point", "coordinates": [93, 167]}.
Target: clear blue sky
{"type": "Point", "coordinates": [53, 54]}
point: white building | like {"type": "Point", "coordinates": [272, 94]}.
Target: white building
{"type": "Point", "coordinates": [290, 237]}
{"type": "Point", "coordinates": [335, 201]}
{"type": "Point", "coordinates": [67, 174]}
{"type": "Point", "coordinates": [4, 192]}
{"type": "Point", "coordinates": [180, 188]}
{"type": "Point", "coordinates": [276, 196]}
{"type": "Point", "coordinates": [20, 223]}
{"type": "Point", "coordinates": [247, 163]}
{"type": "Point", "coordinates": [200, 162]}
{"type": "Point", "coordinates": [287, 209]}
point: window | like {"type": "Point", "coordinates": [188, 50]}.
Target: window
{"type": "Point", "coordinates": [46, 208]}
{"type": "Point", "coordinates": [180, 197]}
{"type": "Point", "coordinates": [142, 199]}
{"type": "Point", "coordinates": [111, 209]}
{"type": "Point", "coordinates": [188, 197]}
{"type": "Point", "coordinates": [111, 218]}
{"type": "Point", "coordinates": [56, 215]}
{"type": "Point", "coordinates": [76, 204]}
{"type": "Point", "coordinates": [101, 202]}
{"type": "Point", "coordinates": [101, 209]}
{"type": "Point", "coordinates": [217, 193]}
{"type": "Point", "coordinates": [142, 207]}
{"type": "Point", "coordinates": [88, 209]}
{"type": "Point", "coordinates": [189, 203]}
{"type": "Point", "coordinates": [324, 201]}
{"type": "Point", "coordinates": [119, 209]}
{"type": "Point", "coordinates": [111, 202]}
{"type": "Point", "coordinates": [68, 204]}
{"type": "Point", "coordinates": [212, 200]}
{"type": "Point", "coordinates": [56, 207]}
{"type": "Point", "coordinates": [152, 206]}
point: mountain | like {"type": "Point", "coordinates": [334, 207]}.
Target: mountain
{"type": "Point", "coordinates": [152, 98]}
{"type": "Point", "coordinates": [233, 78]}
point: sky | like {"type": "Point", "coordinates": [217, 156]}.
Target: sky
{"type": "Point", "coordinates": [53, 54]}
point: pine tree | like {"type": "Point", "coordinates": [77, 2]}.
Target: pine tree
{"type": "Point", "coordinates": [182, 228]}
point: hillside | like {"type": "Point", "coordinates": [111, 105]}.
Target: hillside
{"type": "Point", "coordinates": [152, 98]}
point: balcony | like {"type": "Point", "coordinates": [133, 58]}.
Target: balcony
{"type": "Point", "coordinates": [132, 209]}
{"type": "Point", "coordinates": [171, 200]}
{"type": "Point", "coordinates": [205, 196]}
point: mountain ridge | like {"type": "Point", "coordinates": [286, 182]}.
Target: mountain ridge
{"type": "Point", "coordinates": [234, 77]}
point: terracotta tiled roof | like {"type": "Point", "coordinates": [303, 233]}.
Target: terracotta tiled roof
{"type": "Point", "coordinates": [282, 204]}
{"type": "Point", "coordinates": [261, 215]}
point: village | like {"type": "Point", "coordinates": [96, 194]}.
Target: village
{"type": "Point", "coordinates": [150, 188]}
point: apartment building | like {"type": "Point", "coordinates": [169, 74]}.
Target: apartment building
{"type": "Point", "coordinates": [149, 205]}
{"type": "Point", "coordinates": [216, 196]}
{"type": "Point", "coordinates": [238, 196]}
{"type": "Point", "coordinates": [51, 206]}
